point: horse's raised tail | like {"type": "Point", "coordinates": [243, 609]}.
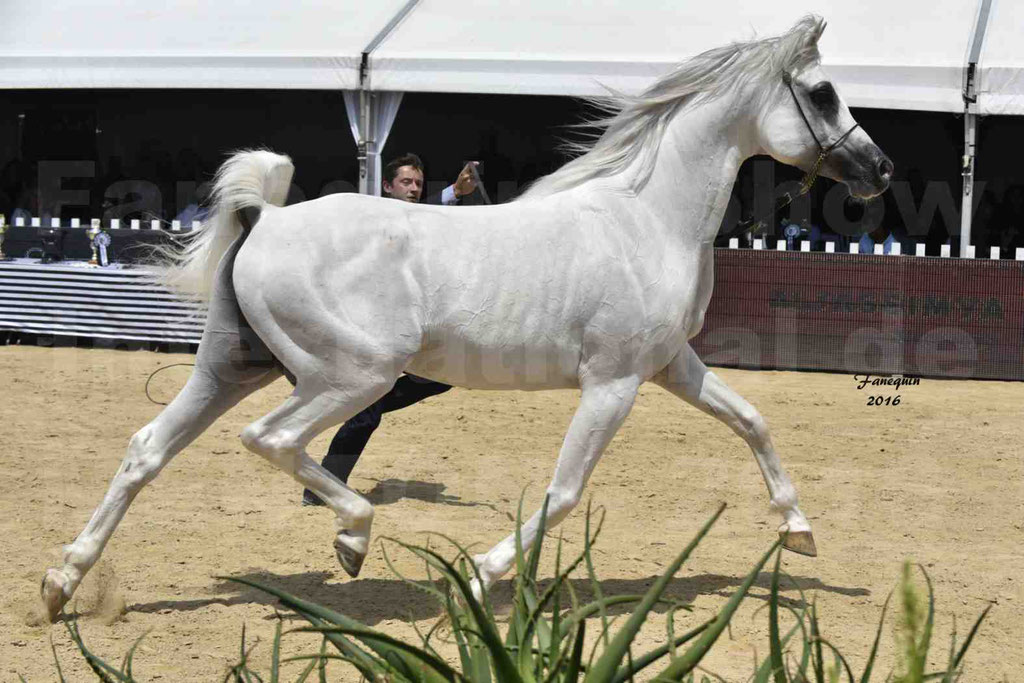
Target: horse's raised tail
{"type": "Point", "coordinates": [249, 179]}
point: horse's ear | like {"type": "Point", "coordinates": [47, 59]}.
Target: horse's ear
{"type": "Point", "coordinates": [814, 31]}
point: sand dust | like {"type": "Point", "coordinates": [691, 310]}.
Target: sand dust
{"type": "Point", "coordinates": [937, 478]}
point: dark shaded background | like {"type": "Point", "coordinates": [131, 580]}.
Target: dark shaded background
{"type": "Point", "coordinates": [175, 139]}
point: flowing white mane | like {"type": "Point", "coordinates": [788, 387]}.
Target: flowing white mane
{"type": "Point", "coordinates": [629, 129]}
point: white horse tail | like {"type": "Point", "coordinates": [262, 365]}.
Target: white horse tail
{"type": "Point", "coordinates": [246, 182]}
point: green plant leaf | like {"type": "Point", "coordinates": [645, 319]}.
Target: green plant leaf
{"type": "Point", "coordinates": [970, 636]}
{"type": "Point", "coordinates": [366, 634]}
{"type": "Point", "coordinates": [321, 666]}
{"type": "Point", "coordinates": [275, 653]}
{"type": "Point", "coordinates": [605, 667]}
{"type": "Point", "coordinates": [817, 657]}
{"type": "Point", "coordinates": [318, 615]}
{"type": "Point", "coordinates": [418, 585]}
{"type": "Point", "coordinates": [764, 671]}
{"type": "Point", "coordinates": [839, 658]}
{"type": "Point", "coordinates": [504, 667]}
{"type": "Point", "coordinates": [572, 672]}
{"type": "Point", "coordinates": [866, 676]}
{"type": "Point", "coordinates": [103, 671]}
{"type": "Point", "coordinates": [465, 654]}
{"type": "Point", "coordinates": [56, 661]}
{"type": "Point", "coordinates": [689, 660]}
{"type": "Point", "coordinates": [592, 608]}
{"type": "Point", "coordinates": [126, 665]}
{"type": "Point", "coordinates": [963, 648]}
{"type": "Point", "coordinates": [926, 636]}
{"type": "Point", "coordinates": [556, 631]}
{"type": "Point", "coordinates": [648, 658]}
{"type": "Point", "coordinates": [592, 575]}
{"type": "Point", "coordinates": [533, 561]}
{"type": "Point", "coordinates": [556, 607]}
{"type": "Point", "coordinates": [774, 642]}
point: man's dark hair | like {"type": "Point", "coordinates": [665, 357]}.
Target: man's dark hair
{"type": "Point", "coordinates": [408, 159]}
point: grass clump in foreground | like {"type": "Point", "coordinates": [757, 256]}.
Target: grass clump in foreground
{"type": "Point", "coordinates": [544, 639]}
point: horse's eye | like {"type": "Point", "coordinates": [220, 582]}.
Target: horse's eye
{"type": "Point", "coordinates": [824, 97]}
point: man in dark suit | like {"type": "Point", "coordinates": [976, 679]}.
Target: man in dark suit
{"type": "Point", "coordinates": [403, 180]}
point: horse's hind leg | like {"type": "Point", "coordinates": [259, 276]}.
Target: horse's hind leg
{"type": "Point", "coordinates": [204, 398]}
{"type": "Point", "coordinates": [689, 379]}
{"type": "Point", "coordinates": [281, 437]}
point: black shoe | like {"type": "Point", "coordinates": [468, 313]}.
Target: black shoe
{"type": "Point", "coordinates": [311, 499]}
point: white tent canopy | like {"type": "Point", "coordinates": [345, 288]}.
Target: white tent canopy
{"type": "Point", "coordinates": [1001, 67]}
{"type": "Point", "coordinates": [898, 55]}
{"type": "Point", "coordinates": [307, 44]}
{"type": "Point", "coordinates": [902, 55]}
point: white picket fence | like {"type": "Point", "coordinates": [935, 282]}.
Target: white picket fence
{"type": "Point", "coordinates": [734, 242]}
{"type": "Point", "coordinates": [113, 224]}
{"type": "Point", "coordinates": [878, 249]}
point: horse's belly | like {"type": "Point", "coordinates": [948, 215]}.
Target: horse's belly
{"type": "Point", "coordinates": [513, 364]}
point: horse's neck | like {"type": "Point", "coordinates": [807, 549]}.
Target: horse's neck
{"type": "Point", "coordinates": [696, 168]}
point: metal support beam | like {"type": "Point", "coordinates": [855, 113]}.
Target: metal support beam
{"type": "Point", "coordinates": [369, 153]}
{"type": "Point", "coordinates": [967, 170]}
{"type": "Point", "coordinates": [367, 143]}
{"type": "Point", "coordinates": [970, 93]}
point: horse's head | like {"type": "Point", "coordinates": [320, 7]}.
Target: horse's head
{"type": "Point", "coordinates": [805, 122]}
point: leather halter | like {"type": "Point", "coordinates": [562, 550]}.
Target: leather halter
{"type": "Point", "coordinates": [823, 151]}
{"type": "Point", "coordinates": [812, 175]}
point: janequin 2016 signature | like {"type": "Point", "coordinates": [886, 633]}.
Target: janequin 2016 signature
{"type": "Point", "coordinates": [897, 382]}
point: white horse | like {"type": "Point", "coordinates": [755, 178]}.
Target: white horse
{"type": "Point", "coordinates": [595, 279]}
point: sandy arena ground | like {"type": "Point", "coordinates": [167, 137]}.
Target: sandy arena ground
{"type": "Point", "coordinates": [937, 479]}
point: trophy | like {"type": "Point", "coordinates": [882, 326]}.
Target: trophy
{"type": "Point", "coordinates": [3, 230]}
{"type": "Point", "coordinates": [92, 232]}
{"type": "Point", "coordinates": [102, 241]}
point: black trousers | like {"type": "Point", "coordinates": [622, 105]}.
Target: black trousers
{"type": "Point", "coordinates": [348, 444]}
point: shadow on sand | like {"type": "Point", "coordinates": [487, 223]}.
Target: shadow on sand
{"type": "Point", "coordinates": [372, 601]}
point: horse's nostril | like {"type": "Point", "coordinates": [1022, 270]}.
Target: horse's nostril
{"type": "Point", "coordinates": [885, 168]}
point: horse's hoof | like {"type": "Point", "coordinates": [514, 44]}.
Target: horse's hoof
{"type": "Point", "coordinates": [52, 592]}
{"type": "Point", "coordinates": [351, 558]}
{"type": "Point", "coordinates": [801, 542]}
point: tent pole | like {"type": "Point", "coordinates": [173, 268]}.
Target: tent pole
{"type": "Point", "coordinates": [967, 199]}
{"type": "Point", "coordinates": [367, 148]}
{"type": "Point", "coordinates": [369, 155]}
{"type": "Point", "coordinates": [970, 94]}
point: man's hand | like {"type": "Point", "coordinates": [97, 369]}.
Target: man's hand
{"type": "Point", "coordinates": [466, 182]}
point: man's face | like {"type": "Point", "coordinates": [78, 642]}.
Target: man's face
{"type": "Point", "coordinates": [407, 185]}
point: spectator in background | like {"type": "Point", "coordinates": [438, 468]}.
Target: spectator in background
{"type": "Point", "coordinates": [403, 179]}
{"type": "Point", "coordinates": [881, 236]}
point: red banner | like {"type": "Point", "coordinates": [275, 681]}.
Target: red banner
{"type": "Point", "coordinates": [935, 317]}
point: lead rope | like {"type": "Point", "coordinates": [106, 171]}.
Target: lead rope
{"type": "Point", "coordinates": [173, 365]}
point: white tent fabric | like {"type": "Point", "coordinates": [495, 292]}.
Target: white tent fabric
{"type": "Point", "coordinates": [901, 55]}
{"type": "Point", "coordinates": [1001, 67]}
{"type": "Point", "coordinates": [307, 44]}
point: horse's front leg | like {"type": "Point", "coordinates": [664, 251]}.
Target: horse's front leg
{"type": "Point", "coordinates": [689, 379]}
{"type": "Point", "coordinates": [603, 406]}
